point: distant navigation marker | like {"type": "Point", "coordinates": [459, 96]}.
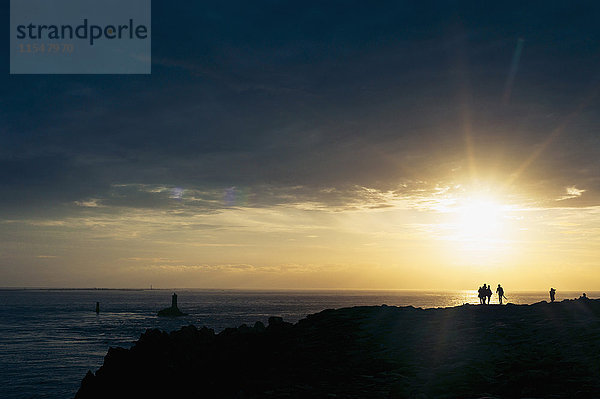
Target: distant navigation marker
{"type": "Point", "coordinates": [173, 311]}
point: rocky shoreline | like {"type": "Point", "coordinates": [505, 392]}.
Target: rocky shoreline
{"type": "Point", "coordinates": [545, 350]}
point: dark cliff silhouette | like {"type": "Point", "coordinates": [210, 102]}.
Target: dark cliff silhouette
{"type": "Point", "coordinates": [511, 351]}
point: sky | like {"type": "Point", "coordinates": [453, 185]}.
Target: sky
{"type": "Point", "coordinates": [313, 145]}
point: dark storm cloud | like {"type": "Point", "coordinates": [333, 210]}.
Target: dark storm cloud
{"type": "Point", "coordinates": [278, 95]}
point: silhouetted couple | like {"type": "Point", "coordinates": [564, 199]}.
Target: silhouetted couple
{"type": "Point", "coordinates": [484, 292]}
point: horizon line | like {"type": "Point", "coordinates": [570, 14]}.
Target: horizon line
{"type": "Point", "coordinates": [266, 289]}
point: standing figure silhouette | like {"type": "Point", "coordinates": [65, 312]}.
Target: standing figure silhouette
{"type": "Point", "coordinates": [552, 294]}
{"type": "Point", "coordinates": [500, 292]}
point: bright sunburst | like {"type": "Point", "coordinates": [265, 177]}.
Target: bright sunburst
{"type": "Point", "coordinates": [478, 218]}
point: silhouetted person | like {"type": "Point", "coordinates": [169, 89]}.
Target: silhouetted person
{"type": "Point", "coordinates": [552, 294]}
{"type": "Point", "coordinates": [97, 307]}
{"type": "Point", "coordinates": [488, 293]}
{"type": "Point", "coordinates": [500, 292]}
{"type": "Point", "coordinates": [174, 301]}
{"type": "Point", "coordinates": [583, 296]}
{"type": "Point", "coordinates": [481, 294]}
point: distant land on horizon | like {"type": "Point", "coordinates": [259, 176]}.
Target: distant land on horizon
{"type": "Point", "coordinates": [539, 290]}
{"type": "Point", "coordinates": [532, 290]}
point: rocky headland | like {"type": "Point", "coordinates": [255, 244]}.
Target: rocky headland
{"type": "Point", "coordinates": [545, 350]}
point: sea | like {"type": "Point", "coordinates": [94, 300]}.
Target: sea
{"type": "Point", "coordinates": [50, 338]}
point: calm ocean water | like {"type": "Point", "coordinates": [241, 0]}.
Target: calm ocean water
{"type": "Point", "coordinates": [49, 339]}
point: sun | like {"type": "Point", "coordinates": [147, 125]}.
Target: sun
{"type": "Point", "coordinates": [478, 228]}
{"type": "Point", "coordinates": [478, 218]}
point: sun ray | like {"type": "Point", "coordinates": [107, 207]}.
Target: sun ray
{"type": "Point", "coordinates": [551, 137]}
